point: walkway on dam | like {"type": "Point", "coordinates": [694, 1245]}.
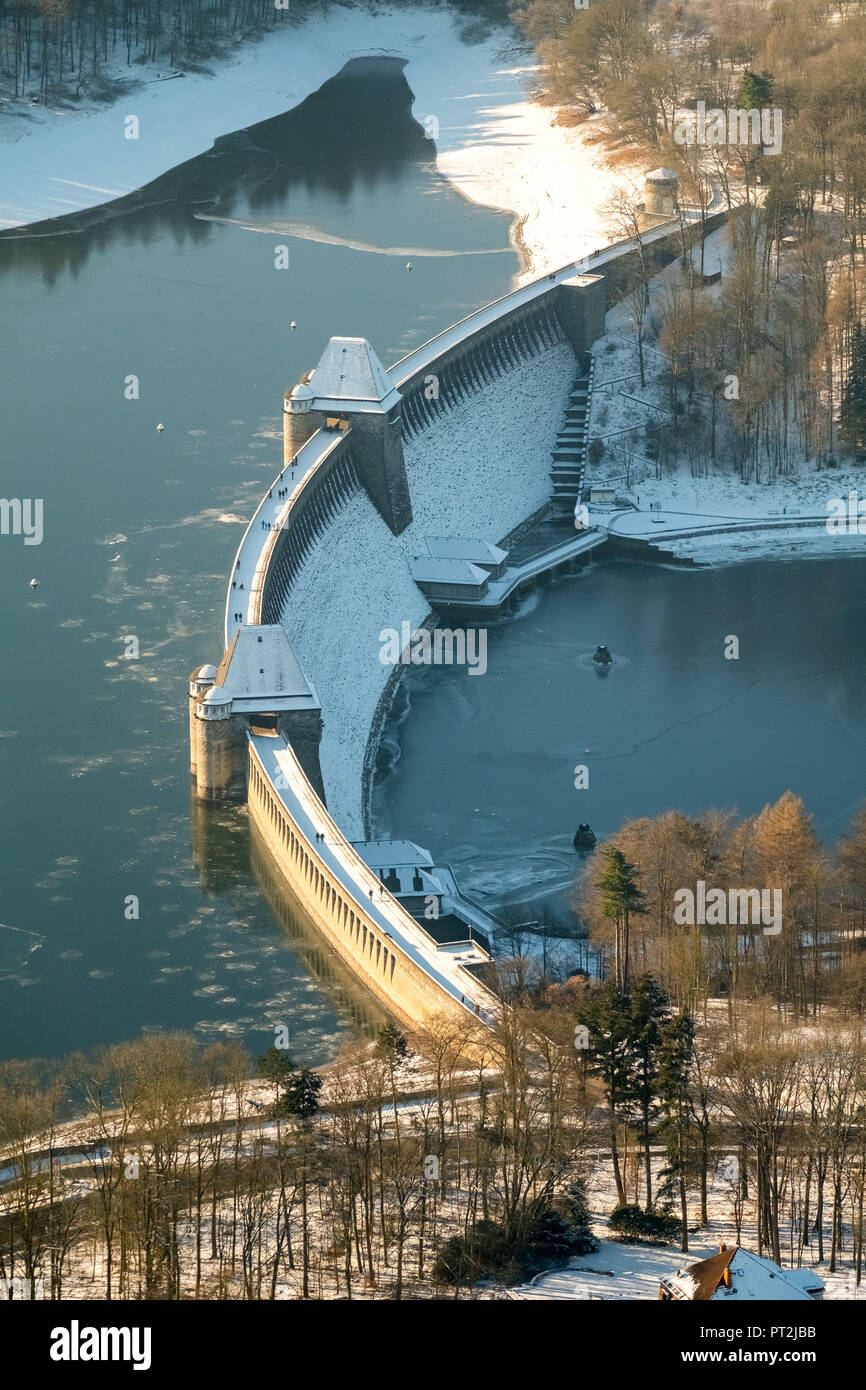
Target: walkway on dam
{"type": "Point", "coordinates": [361, 885]}
{"type": "Point", "coordinates": [423, 356]}
{"type": "Point", "coordinates": [253, 555]}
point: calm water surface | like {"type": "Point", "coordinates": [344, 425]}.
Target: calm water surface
{"type": "Point", "coordinates": [482, 769]}
{"type": "Point", "coordinates": [178, 286]}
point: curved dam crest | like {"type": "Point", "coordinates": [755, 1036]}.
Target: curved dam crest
{"type": "Point", "coordinates": [392, 480]}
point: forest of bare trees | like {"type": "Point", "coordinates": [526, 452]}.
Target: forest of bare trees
{"type": "Point", "coordinates": [718, 1072]}
{"type": "Point", "coordinates": [786, 319]}
{"type": "Point", "coordinates": [66, 49]}
{"type": "Point", "coordinates": [815, 961]}
{"type": "Point", "coordinates": [56, 49]}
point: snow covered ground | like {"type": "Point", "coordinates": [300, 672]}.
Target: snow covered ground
{"type": "Point", "coordinates": [498, 146]}
{"type": "Point", "coordinates": [702, 518]}
{"type": "Point", "coordinates": [478, 474]}
{"type": "Point", "coordinates": [619, 1271]}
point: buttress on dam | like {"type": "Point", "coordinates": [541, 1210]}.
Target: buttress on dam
{"type": "Point", "coordinates": [400, 493]}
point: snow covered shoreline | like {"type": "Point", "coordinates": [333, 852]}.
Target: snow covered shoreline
{"type": "Point", "coordinates": [495, 144]}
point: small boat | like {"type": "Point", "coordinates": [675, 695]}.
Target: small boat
{"type": "Point", "coordinates": [584, 837]}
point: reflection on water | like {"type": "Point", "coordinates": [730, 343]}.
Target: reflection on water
{"type": "Point", "coordinates": [140, 530]}
{"type": "Point", "coordinates": [314, 158]}
{"type": "Point", "coordinates": [351, 1001]}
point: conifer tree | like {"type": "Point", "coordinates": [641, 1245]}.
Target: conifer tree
{"type": "Point", "coordinates": [852, 417]}
{"type": "Point", "coordinates": [620, 897]}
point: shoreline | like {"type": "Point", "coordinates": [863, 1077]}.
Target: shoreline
{"type": "Point", "coordinates": [709, 541]}
{"type": "Point", "coordinates": [474, 97]}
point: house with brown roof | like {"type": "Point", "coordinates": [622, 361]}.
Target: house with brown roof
{"type": "Point", "coordinates": [738, 1274]}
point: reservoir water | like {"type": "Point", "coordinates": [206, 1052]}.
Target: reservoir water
{"type": "Point", "coordinates": [177, 286]}
{"type": "Point", "coordinates": [483, 770]}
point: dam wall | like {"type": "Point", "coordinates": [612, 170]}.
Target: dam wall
{"type": "Point", "coordinates": [354, 580]}
{"type": "Point", "coordinates": [456, 440]}
{"type": "Point", "coordinates": [344, 899]}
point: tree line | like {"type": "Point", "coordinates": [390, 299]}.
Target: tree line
{"type": "Point", "coordinates": [815, 960]}
{"type": "Point", "coordinates": [788, 317]}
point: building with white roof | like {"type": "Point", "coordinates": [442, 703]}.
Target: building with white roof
{"type": "Point", "coordinates": [737, 1274]}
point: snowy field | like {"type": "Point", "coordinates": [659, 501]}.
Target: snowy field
{"type": "Point", "coordinates": [477, 474]}
{"type": "Point", "coordinates": [498, 147]}
{"type": "Point", "coordinates": [622, 1271]}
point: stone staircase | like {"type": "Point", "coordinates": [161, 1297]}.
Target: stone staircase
{"type": "Point", "coordinates": [569, 452]}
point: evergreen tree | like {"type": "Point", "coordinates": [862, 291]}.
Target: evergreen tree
{"type": "Point", "coordinates": [676, 1050]}
{"type": "Point", "coordinates": [620, 897]}
{"type": "Point", "coordinates": [852, 417]}
{"type": "Point", "coordinates": [756, 90]}
{"type": "Point", "coordinates": [276, 1067]}
{"type": "Point", "coordinates": [606, 1015]}
{"type": "Point", "coordinates": [648, 1010]}
{"type": "Point", "coordinates": [575, 1209]}
{"type": "Point", "coordinates": [301, 1096]}
{"type": "Point", "coordinates": [392, 1043]}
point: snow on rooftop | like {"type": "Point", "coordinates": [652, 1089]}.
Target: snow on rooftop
{"type": "Point", "coordinates": [388, 854]}
{"type": "Point", "coordinates": [350, 374]}
{"type": "Point", "coordinates": [756, 1278]}
{"type": "Point", "coordinates": [261, 669]}
{"type": "Point", "coordinates": [464, 548]}
{"type": "Point", "coordinates": [430, 571]}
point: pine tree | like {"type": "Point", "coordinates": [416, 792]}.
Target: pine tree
{"type": "Point", "coordinates": [276, 1067]}
{"type": "Point", "coordinates": [606, 1015]}
{"type": "Point", "coordinates": [392, 1043]}
{"type": "Point", "coordinates": [301, 1096]}
{"type": "Point", "coordinates": [620, 896]}
{"type": "Point", "coordinates": [648, 1010]}
{"type": "Point", "coordinates": [756, 90]}
{"type": "Point", "coordinates": [575, 1209]}
{"type": "Point", "coordinates": [676, 1050]}
{"type": "Point", "coordinates": [852, 416]}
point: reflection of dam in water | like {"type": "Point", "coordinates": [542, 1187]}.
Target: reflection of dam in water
{"type": "Point", "coordinates": [227, 851]}
{"type": "Point", "coordinates": [348, 997]}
